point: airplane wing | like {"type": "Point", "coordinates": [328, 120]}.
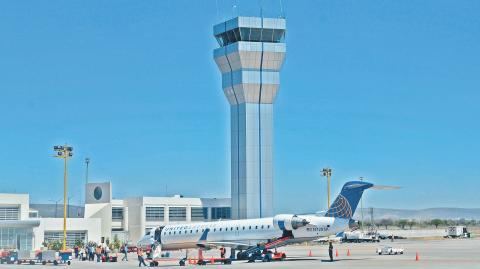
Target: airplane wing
{"type": "Point", "coordinates": [236, 245]}
{"type": "Point", "coordinates": [203, 243]}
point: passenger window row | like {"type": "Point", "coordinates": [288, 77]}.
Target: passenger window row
{"type": "Point", "coordinates": [186, 231]}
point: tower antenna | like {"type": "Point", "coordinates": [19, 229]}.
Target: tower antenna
{"type": "Point", "coordinates": [236, 12]}
{"type": "Point", "coordinates": [261, 8]}
{"type": "Point", "coordinates": [282, 12]}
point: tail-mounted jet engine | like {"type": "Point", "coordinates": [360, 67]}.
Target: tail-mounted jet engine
{"type": "Point", "coordinates": [287, 222]}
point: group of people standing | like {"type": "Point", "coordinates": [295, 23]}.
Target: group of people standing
{"type": "Point", "coordinates": [98, 253]}
{"type": "Point", "coordinates": [102, 254]}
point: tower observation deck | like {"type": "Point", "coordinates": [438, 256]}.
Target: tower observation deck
{"type": "Point", "coordinates": [250, 56]}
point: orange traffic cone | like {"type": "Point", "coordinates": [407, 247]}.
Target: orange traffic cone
{"type": "Point", "coordinates": [336, 253]}
{"type": "Point", "coordinates": [417, 257]}
{"type": "Point", "coordinates": [310, 253]}
{"type": "Point", "coordinates": [348, 252]}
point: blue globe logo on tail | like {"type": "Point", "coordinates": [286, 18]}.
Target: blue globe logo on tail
{"type": "Point", "coordinates": [340, 208]}
{"type": "Point", "coordinates": [346, 203]}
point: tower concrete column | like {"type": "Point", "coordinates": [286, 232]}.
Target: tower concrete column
{"type": "Point", "coordinates": [250, 56]}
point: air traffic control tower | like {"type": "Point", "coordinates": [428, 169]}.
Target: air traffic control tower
{"type": "Point", "coordinates": [250, 56]}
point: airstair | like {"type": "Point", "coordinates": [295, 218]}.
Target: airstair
{"type": "Point", "coordinates": [280, 242]}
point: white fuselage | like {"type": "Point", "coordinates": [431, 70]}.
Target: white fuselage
{"type": "Point", "coordinates": [242, 233]}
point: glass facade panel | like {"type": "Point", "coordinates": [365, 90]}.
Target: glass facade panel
{"type": "Point", "coordinates": [155, 213]}
{"type": "Point", "coordinates": [199, 213]}
{"type": "Point", "coordinates": [255, 34]}
{"type": "Point", "coordinates": [231, 37]}
{"type": "Point", "coordinates": [250, 34]}
{"type": "Point", "coordinates": [72, 236]}
{"type": "Point", "coordinates": [9, 213]}
{"type": "Point", "coordinates": [221, 213]}
{"type": "Point", "coordinates": [12, 238]}
{"type": "Point", "coordinates": [177, 213]}
{"type": "Point", "coordinates": [267, 35]}
{"type": "Point", "coordinates": [117, 213]}
{"type": "Point", "coordinates": [278, 35]}
{"type": "Point", "coordinates": [245, 33]}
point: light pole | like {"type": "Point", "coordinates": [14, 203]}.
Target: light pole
{"type": "Point", "coordinates": [87, 162]}
{"type": "Point", "coordinates": [327, 172]}
{"type": "Point", "coordinates": [361, 207]}
{"type": "Point", "coordinates": [65, 152]}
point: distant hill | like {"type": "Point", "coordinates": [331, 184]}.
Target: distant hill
{"type": "Point", "coordinates": [420, 214]}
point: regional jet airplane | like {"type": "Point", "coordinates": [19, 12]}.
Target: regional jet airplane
{"type": "Point", "coordinates": [253, 235]}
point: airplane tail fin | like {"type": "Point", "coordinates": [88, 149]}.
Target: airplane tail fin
{"type": "Point", "coordinates": [346, 202]}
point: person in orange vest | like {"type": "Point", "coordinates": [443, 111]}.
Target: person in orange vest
{"type": "Point", "coordinates": [98, 252]}
{"type": "Point", "coordinates": [141, 260]}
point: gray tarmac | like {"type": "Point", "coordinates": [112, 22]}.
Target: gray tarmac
{"type": "Point", "coordinates": [445, 253]}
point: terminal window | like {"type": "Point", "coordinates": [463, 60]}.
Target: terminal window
{"type": "Point", "coordinates": [13, 238]}
{"type": "Point", "coordinates": [199, 213]}
{"type": "Point", "coordinates": [33, 214]}
{"type": "Point", "coordinates": [9, 213]}
{"type": "Point", "coordinates": [117, 213]}
{"type": "Point", "coordinates": [177, 213]}
{"type": "Point", "coordinates": [155, 213]}
{"type": "Point", "coordinates": [221, 213]}
{"type": "Point", "coordinates": [72, 237]}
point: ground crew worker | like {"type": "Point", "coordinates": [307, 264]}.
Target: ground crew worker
{"type": "Point", "coordinates": [141, 259]}
{"type": "Point", "coordinates": [98, 253]}
{"type": "Point", "coordinates": [222, 253]}
{"type": "Point", "coordinates": [125, 252]}
{"type": "Point", "coordinates": [330, 250]}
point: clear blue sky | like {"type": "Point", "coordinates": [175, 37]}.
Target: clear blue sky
{"type": "Point", "coordinates": [388, 90]}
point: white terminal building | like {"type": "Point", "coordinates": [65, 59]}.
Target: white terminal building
{"type": "Point", "coordinates": [27, 226]}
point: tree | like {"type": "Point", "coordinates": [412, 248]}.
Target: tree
{"type": "Point", "coordinates": [115, 244]}
{"type": "Point", "coordinates": [401, 223]}
{"type": "Point", "coordinates": [410, 223]}
{"type": "Point", "coordinates": [79, 243]}
{"type": "Point", "coordinates": [55, 245]}
{"type": "Point", "coordinates": [436, 222]}
{"type": "Point", "coordinates": [385, 222]}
